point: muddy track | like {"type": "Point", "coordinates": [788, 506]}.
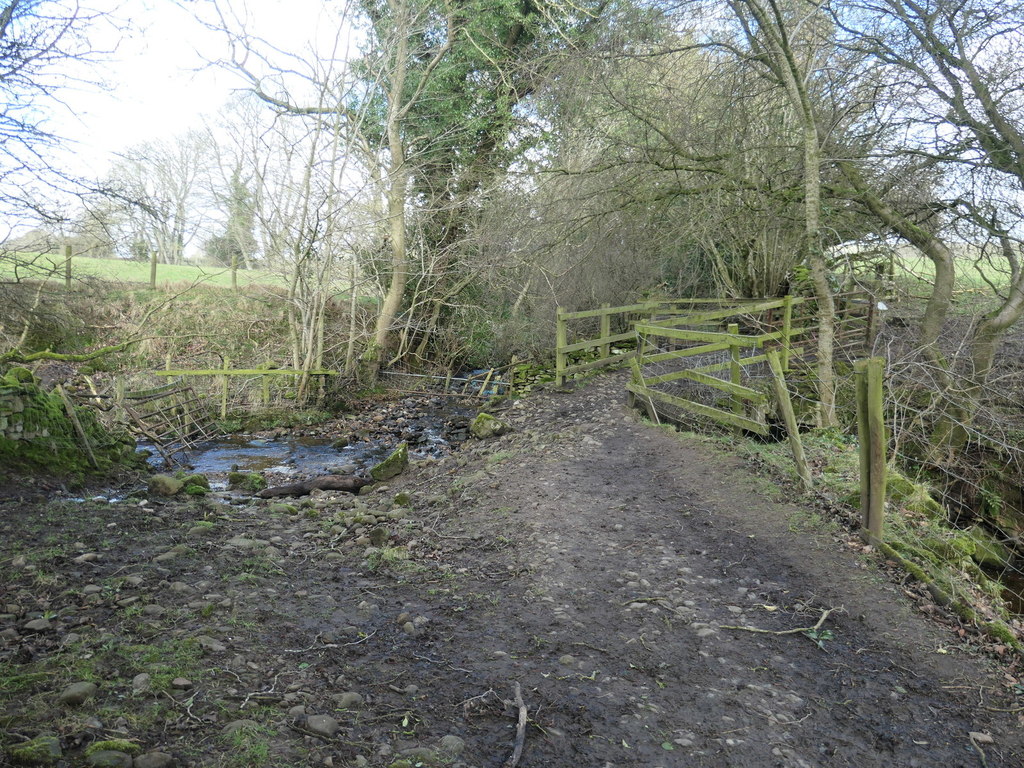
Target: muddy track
{"type": "Point", "coordinates": [611, 569]}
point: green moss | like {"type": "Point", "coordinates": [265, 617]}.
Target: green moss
{"type": "Point", "coordinates": [393, 465]}
{"type": "Point", "coordinates": [40, 436]}
{"type": "Point", "coordinates": [114, 745]}
{"type": "Point", "coordinates": [247, 481]}
{"type": "Point", "coordinates": [196, 490]}
{"type": "Point", "coordinates": [20, 375]}
{"type": "Point", "coordinates": [42, 750]}
{"type": "Point", "coordinates": [200, 480]}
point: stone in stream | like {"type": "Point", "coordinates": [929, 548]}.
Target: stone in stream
{"type": "Point", "coordinates": [485, 426]}
{"type": "Point", "coordinates": [77, 694]}
{"type": "Point", "coordinates": [165, 485]}
{"type": "Point", "coordinates": [393, 465]}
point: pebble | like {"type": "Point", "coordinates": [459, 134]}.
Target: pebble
{"type": "Point", "coordinates": [209, 644]}
{"type": "Point", "coordinates": [181, 683]}
{"type": "Point", "coordinates": [109, 758]}
{"type": "Point", "coordinates": [154, 760]}
{"type": "Point", "coordinates": [452, 744]}
{"type": "Point", "coordinates": [322, 725]}
{"type": "Point", "coordinates": [348, 700]}
{"type": "Point", "coordinates": [142, 682]}
{"type": "Point", "coordinates": [77, 693]}
{"type": "Point", "coordinates": [38, 625]}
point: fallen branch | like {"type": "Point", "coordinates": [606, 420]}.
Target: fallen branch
{"type": "Point", "coordinates": [351, 483]}
{"type": "Point", "coordinates": [517, 752]}
{"type": "Point", "coordinates": [797, 631]}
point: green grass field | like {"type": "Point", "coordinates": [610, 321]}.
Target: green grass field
{"type": "Point", "coordinates": [972, 276]}
{"type": "Point", "coordinates": [51, 267]}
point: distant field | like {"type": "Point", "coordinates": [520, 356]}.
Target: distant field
{"type": "Point", "coordinates": [137, 271]}
{"type": "Point", "coordinates": [972, 276]}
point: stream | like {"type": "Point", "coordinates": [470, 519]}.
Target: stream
{"type": "Point", "coordinates": [346, 445]}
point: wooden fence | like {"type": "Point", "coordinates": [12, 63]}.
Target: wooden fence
{"type": "Point", "coordinates": [613, 325]}
{"type": "Point", "coordinates": [687, 363]}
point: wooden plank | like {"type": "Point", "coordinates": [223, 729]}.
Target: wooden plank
{"type": "Point", "coordinates": [599, 363]}
{"type": "Point", "coordinates": [709, 337]}
{"type": "Point", "coordinates": [593, 343]}
{"type": "Point", "coordinates": [610, 311]}
{"type": "Point", "coordinates": [792, 429]}
{"type": "Point", "coordinates": [678, 354]}
{"type": "Point", "coordinates": [745, 361]}
{"type": "Point", "coordinates": [726, 386]}
{"type": "Point", "coordinates": [561, 339]}
{"type": "Point", "coordinates": [725, 417]}
{"type": "Point", "coordinates": [728, 311]}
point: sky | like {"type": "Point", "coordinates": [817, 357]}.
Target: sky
{"type": "Point", "coordinates": [159, 81]}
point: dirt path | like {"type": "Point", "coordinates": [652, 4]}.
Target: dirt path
{"type": "Point", "coordinates": [601, 564]}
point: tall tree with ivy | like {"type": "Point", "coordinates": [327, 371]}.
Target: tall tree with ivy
{"type": "Point", "coordinates": [432, 103]}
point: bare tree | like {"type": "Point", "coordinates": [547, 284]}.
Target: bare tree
{"type": "Point", "coordinates": [159, 184]}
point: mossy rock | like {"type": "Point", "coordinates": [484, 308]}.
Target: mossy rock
{"type": "Point", "coordinates": [283, 509]}
{"type": "Point", "coordinates": [165, 485]}
{"type": "Point", "coordinates": [247, 481]}
{"type": "Point", "coordinates": [485, 426]}
{"type": "Point", "coordinates": [19, 375]}
{"type": "Point", "coordinates": [915, 497]}
{"type": "Point", "coordinates": [200, 480]}
{"type": "Point", "coordinates": [393, 465]}
{"type": "Point", "coordinates": [196, 490]}
{"type": "Point", "coordinates": [403, 499]}
{"type": "Point", "coordinates": [113, 745]}
{"type": "Point", "coordinates": [988, 550]}
{"type": "Point", "coordinates": [42, 750]}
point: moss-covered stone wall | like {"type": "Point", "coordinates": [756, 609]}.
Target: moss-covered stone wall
{"type": "Point", "coordinates": [36, 434]}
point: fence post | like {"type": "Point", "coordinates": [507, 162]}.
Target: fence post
{"type": "Point", "coordinates": [787, 330]}
{"type": "Point", "coordinates": [67, 267]}
{"type": "Point", "coordinates": [487, 381]}
{"type": "Point", "coordinates": [803, 471]}
{"type": "Point", "coordinates": [872, 331]}
{"type": "Point", "coordinates": [606, 331]}
{"type": "Point", "coordinates": [735, 370]}
{"type": "Point", "coordinates": [871, 432]}
{"type": "Point", "coordinates": [152, 270]}
{"type": "Point", "coordinates": [265, 382]}
{"type": "Point", "coordinates": [561, 341]}
{"type": "Point", "coordinates": [224, 390]}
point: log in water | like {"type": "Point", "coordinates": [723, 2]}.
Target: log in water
{"type": "Point", "coordinates": [349, 483]}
